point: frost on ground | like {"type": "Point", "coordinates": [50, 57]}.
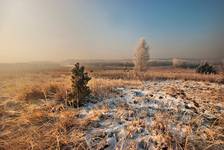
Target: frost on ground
{"type": "Point", "coordinates": [172, 114]}
{"type": "Point", "coordinates": [160, 115]}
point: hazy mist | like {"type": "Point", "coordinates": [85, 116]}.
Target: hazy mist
{"type": "Point", "coordinates": [55, 30]}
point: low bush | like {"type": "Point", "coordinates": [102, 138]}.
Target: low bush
{"type": "Point", "coordinates": [180, 63]}
{"type": "Point", "coordinates": [57, 91]}
{"type": "Point", "coordinates": [46, 91]}
{"type": "Point", "coordinates": [206, 68]}
{"type": "Point", "coordinates": [31, 93]}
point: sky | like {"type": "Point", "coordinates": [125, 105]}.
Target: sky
{"type": "Point", "coordinates": [56, 30]}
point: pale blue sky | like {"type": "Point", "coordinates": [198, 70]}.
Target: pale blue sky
{"type": "Point", "coordinates": [39, 30]}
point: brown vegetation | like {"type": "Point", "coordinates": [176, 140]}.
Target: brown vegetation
{"type": "Point", "coordinates": [39, 120]}
{"type": "Point", "coordinates": [160, 74]}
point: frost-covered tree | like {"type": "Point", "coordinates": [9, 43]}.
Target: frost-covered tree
{"type": "Point", "coordinates": [223, 64]}
{"type": "Point", "coordinates": [177, 62]}
{"type": "Point", "coordinates": [141, 56]}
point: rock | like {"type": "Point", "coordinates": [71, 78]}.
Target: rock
{"type": "Point", "coordinates": [138, 93]}
{"type": "Point", "coordinates": [195, 103]}
{"type": "Point", "coordinates": [147, 100]}
{"type": "Point", "coordinates": [111, 143]}
{"type": "Point", "coordinates": [187, 106]}
{"type": "Point", "coordinates": [96, 124]}
{"type": "Point", "coordinates": [112, 104]}
{"type": "Point", "coordinates": [107, 115]}
{"type": "Point", "coordinates": [209, 118]}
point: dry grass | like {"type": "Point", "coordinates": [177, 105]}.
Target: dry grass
{"type": "Point", "coordinates": [13, 85]}
{"type": "Point", "coordinates": [50, 125]}
{"type": "Point", "coordinates": [37, 129]}
{"type": "Point", "coordinates": [104, 87]}
{"type": "Point", "coordinates": [32, 87]}
{"type": "Point", "coordinates": [41, 127]}
{"type": "Point", "coordinates": [160, 74]}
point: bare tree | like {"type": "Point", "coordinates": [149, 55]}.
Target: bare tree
{"type": "Point", "coordinates": [141, 56]}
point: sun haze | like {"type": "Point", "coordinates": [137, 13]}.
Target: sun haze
{"type": "Point", "coordinates": [55, 30]}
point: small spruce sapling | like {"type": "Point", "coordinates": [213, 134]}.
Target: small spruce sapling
{"type": "Point", "coordinates": [80, 91]}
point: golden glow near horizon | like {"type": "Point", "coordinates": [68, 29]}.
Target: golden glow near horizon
{"type": "Point", "coordinates": [52, 30]}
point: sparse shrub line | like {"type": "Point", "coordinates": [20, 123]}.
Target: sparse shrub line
{"type": "Point", "coordinates": [205, 68]}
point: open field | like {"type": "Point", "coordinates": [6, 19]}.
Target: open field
{"type": "Point", "coordinates": [111, 75]}
{"type": "Point", "coordinates": [163, 108]}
